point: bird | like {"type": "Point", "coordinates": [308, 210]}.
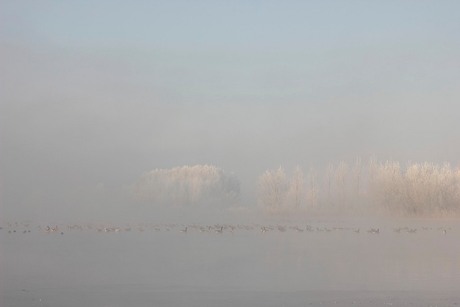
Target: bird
{"type": "Point", "coordinates": [281, 228]}
{"type": "Point", "coordinates": [374, 230]}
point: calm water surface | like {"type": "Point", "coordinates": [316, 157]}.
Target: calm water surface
{"type": "Point", "coordinates": [268, 264]}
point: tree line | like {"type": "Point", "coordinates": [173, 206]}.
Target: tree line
{"type": "Point", "coordinates": [418, 189]}
{"type": "Point", "coordinates": [415, 190]}
{"type": "Point", "coordinates": [188, 185]}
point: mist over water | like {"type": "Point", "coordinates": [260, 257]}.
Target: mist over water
{"type": "Point", "coordinates": [243, 153]}
{"type": "Point", "coordinates": [357, 262]}
{"type": "Point", "coordinates": [366, 235]}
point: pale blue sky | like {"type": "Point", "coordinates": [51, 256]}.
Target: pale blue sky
{"type": "Point", "coordinates": [283, 25]}
{"type": "Point", "coordinates": [100, 91]}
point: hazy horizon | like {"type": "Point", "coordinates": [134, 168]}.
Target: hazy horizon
{"type": "Point", "coordinates": [93, 95]}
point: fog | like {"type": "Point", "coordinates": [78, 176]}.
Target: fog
{"type": "Point", "coordinates": [324, 262]}
{"type": "Point", "coordinates": [213, 113]}
{"type": "Point", "coordinates": [85, 105]}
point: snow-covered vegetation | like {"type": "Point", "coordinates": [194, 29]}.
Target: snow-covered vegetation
{"type": "Point", "coordinates": [188, 185]}
{"type": "Point", "coordinates": [419, 189]}
{"type": "Point", "coordinates": [277, 191]}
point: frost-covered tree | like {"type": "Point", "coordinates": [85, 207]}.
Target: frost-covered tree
{"type": "Point", "coordinates": [312, 194]}
{"type": "Point", "coordinates": [356, 174]}
{"type": "Point", "coordinates": [340, 176]}
{"type": "Point", "coordinates": [386, 184]}
{"type": "Point", "coordinates": [419, 189]}
{"type": "Point", "coordinates": [329, 181]}
{"type": "Point", "coordinates": [296, 191]}
{"type": "Point", "coordinates": [185, 185]}
{"type": "Point", "coordinates": [272, 189]}
{"type": "Point", "coordinates": [280, 192]}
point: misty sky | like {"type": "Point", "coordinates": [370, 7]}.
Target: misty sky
{"type": "Point", "coordinates": [95, 93]}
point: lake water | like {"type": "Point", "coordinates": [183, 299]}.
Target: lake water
{"type": "Point", "coordinates": [317, 262]}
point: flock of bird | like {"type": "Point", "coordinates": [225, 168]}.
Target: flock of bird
{"type": "Point", "coordinates": [61, 229]}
